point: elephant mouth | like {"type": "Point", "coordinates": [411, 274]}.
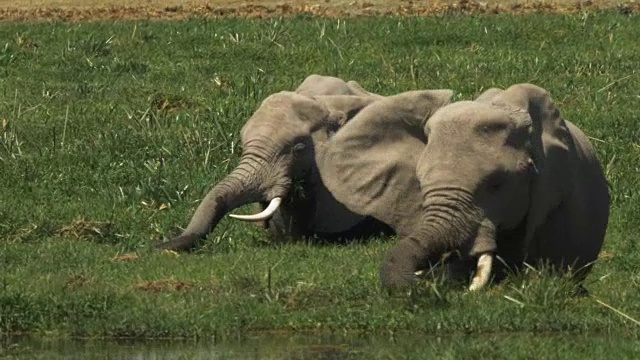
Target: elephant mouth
{"type": "Point", "coordinates": [293, 190]}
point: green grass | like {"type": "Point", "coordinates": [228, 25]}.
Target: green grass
{"type": "Point", "coordinates": [112, 131]}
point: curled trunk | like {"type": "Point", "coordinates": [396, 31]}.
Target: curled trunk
{"type": "Point", "coordinates": [244, 185]}
{"type": "Point", "coordinates": [451, 222]}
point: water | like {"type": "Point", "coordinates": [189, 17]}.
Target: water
{"type": "Point", "coordinates": [266, 346]}
{"type": "Point", "coordinates": [251, 347]}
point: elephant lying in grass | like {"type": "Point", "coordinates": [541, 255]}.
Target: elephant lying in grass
{"type": "Point", "coordinates": [278, 169]}
{"type": "Point", "coordinates": [503, 174]}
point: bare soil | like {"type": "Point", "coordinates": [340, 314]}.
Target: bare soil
{"type": "Point", "coordinates": [83, 10]}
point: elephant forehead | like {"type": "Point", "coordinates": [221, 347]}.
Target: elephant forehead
{"type": "Point", "coordinates": [298, 103]}
{"type": "Point", "coordinates": [322, 85]}
{"type": "Point", "coordinates": [469, 115]}
{"type": "Point", "coordinates": [285, 107]}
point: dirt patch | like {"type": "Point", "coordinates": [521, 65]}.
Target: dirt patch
{"type": "Point", "coordinates": [84, 10]}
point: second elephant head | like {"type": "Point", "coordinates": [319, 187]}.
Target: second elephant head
{"type": "Point", "coordinates": [279, 143]}
{"type": "Point", "coordinates": [503, 174]}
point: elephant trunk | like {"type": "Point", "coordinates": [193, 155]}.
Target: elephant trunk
{"type": "Point", "coordinates": [451, 222]}
{"type": "Point", "coordinates": [254, 179]}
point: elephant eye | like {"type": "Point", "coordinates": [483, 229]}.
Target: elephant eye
{"type": "Point", "coordinates": [496, 181]}
{"type": "Point", "coordinates": [495, 186]}
{"type": "Point", "coordinates": [297, 148]}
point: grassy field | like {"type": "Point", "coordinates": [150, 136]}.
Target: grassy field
{"type": "Point", "coordinates": [112, 132]}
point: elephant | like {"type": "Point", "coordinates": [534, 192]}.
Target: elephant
{"type": "Point", "coordinates": [277, 168]}
{"type": "Point", "coordinates": [314, 85]}
{"type": "Point", "coordinates": [502, 175]}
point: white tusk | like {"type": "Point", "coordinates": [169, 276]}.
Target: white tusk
{"type": "Point", "coordinates": [264, 215]}
{"type": "Point", "coordinates": [481, 278]}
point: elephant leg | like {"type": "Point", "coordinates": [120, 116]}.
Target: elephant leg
{"type": "Point", "coordinates": [564, 252]}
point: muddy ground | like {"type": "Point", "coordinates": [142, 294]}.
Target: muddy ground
{"type": "Point", "coordinates": [82, 10]}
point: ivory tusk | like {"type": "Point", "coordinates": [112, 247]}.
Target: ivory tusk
{"type": "Point", "coordinates": [264, 215]}
{"type": "Point", "coordinates": [483, 271]}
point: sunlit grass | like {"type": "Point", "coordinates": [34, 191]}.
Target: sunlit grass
{"type": "Point", "coordinates": [112, 132]}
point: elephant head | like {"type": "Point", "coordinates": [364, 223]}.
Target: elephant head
{"type": "Point", "coordinates": [279, 142]}
{"type": "Point", "coordinates": [315, 85]}
{"type": "Point", "coordinates": [503, 174]}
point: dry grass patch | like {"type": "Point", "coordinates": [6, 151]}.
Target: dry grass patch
{"type": "Point", "coordinates": [125, 257]}
{"type": "Point", "coordinates": [76, 281]}
{"type": "Point", "coordinates": [81, 10]}
{"type": "Point", "coordinates": [165, 285]}
{"type": "Point", "coordinates": [82, 228]}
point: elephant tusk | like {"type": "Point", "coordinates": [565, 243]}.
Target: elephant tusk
{"type": "Point", "coordinates": [481, 278]}
{"type": "Point", "coordinates": [264, 215]}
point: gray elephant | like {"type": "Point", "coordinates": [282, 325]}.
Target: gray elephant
{"type": "Point", "coordinates": [502, 175]}
{"type": "Point", "coordinates": [278, 170]}
{"type": "Point", "coordinates": [315, 85]}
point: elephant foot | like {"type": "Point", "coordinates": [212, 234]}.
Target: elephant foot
{"type": "Point", "coordinates": [186, 242]}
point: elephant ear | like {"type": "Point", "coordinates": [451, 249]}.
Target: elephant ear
{"type": "Point", "coordinates": [370, 164]}
{"type": "Point", "coordinates": [357, 89]}
{"type": "Point", "coordinates": [341, 108]}
{"type": "Point", "coordinates": [549, 148]}
{"type": "Point", "coordinates": [344, 107]}
{"type": "Point", "coordinates": [314, 112]}
{"type": "Point", "coordinates": [489, 94]}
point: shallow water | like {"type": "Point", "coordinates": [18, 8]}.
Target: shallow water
{"type": "Point", "coordinates": [404, 346]}
{"type": "Point", "coordinates": [252, 347]}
